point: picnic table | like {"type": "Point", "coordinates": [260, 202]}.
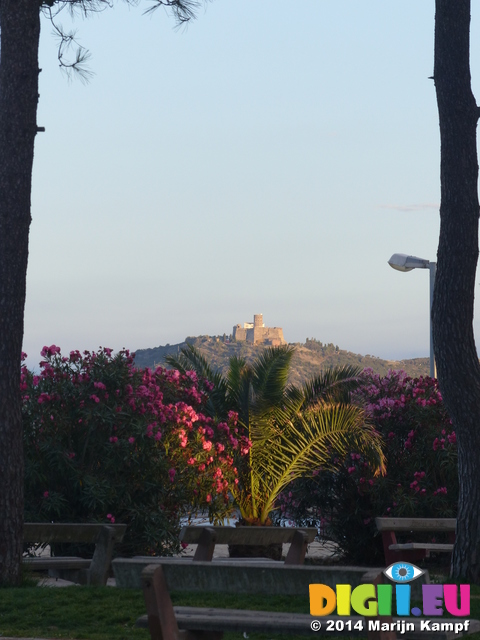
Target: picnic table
{"type": "Point", "coordinates": [414, 551]}
{"type": "Point", "coordinates": [82, 570]}
{"type": "Point", "coordinates": [206, 537]}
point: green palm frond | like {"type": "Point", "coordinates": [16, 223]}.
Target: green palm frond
{"type": "Point", "coordinates": [239, 388]}
{"type": "Point", "coordinates": [190, 359]}
{"type": "Point", "coordinates": [308, 443]}
{"type": "Point", "coordinates": [180, 363]}
{"type": "Point", "coordinates": [334, 385]}
{"type": "Point", "coordinates": [270, 376]}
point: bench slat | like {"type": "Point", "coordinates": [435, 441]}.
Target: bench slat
{"type": "Point", "coordinates": [238, 576]}
{"type": "Point", "coordinates": [42, 563]}
{"type": "Point", "coordinates": [416, 524]}
{"type": "Point", "coordinates": [421, 545]}
{"type": "Point", "coordinates": [249, 621]}
{"type": "Point", "coordinates": [68, 532]}
{"type": "Point", "coordinates": [246, 535]}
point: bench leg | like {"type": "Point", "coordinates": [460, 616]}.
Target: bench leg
{"type": "Point", "coordinates": [161, 616]}
{"type": "Point", "coordinates": [378, 635]}
{"type": "Point", "coordinates": [102, 557]}
{"type": "Point", "coordinates": [206, 545]}
{"type": "Point", "coordinates": [388, 538]}
{"type": "Point", "coordinates": [298, 548]}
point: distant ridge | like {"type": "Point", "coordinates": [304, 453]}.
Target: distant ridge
{"type": "Point", "coordinates": [309, 359]}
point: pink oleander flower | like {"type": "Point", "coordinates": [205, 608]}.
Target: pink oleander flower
{"type": "Point", "coordinates": [45, 494]}
{"type": "Point", "coordinates": [131, 440]}
{"type": "Point", "coordinates": [171, 474]}
{"type": "Point", "coordinates": [43, 397]}
{"type": "Point", "coordinates": [49, 351]}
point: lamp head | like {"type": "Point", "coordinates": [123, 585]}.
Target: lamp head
{"type": "Point", "coordinates": [404, 262]}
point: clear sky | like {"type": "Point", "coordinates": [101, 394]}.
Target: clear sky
{"type": "Point", "coordinates": [269, 158]}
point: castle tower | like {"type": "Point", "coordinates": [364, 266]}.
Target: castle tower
{"type": "Point", "coordinates": [258, 320]}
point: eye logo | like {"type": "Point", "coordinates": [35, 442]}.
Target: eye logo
{"type": "Point", "coordinates": [403, 572]}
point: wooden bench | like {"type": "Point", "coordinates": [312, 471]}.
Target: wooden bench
{"type": "Point", "coordinates": [128, 571]}
{"type": "Point", "coordinates": [414, 551]}
{"type": "Point", "coordinates": [166, 622]}
{"type": "Point", "coordinates": [206, 537]}
{"type": "Point", "coordinates": [81, 570]}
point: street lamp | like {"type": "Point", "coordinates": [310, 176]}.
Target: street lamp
{"type": "Point", "coordinates": [403, 262]}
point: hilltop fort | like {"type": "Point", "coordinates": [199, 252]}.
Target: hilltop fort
{"type": "Point", "coordinates": [257, 333]}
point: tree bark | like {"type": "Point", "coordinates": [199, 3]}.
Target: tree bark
{"type": "Point", "coordinates": [19, 38]}
{"type": "Point", "coordinates": [452, 313]}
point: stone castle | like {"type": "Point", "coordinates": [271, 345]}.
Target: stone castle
{"type": "Point", "coordinates": [258, 333]}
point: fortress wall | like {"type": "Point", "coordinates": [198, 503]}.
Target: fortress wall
{"type": "Point", "coordinates": [258, 333]}
{"type": "Point", "coordinates": [274, 334]}
{"type": "Point", "coordinates": [239, 333]}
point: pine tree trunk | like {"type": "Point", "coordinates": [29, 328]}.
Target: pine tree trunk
{"type": "Point", "coordinates": [19, 37]}
{"type": "Point", "coordinates": [455, 351]}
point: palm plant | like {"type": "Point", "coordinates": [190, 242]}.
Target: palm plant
{"type": "Point", "coordinates": [294, 431]}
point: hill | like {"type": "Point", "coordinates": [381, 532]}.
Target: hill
{"type": "Point", "coordinates": [308, 360]}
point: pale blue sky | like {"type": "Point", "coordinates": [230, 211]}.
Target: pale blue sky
{"type": "Point", "coordinates": [269, 158]}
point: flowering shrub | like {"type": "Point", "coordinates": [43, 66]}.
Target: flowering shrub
{"type": "Point", "coordinates": [106, 442]}
{"type": "Point", "coordinates": [421, 479]}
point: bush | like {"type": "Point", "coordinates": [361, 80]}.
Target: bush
{"type": "Point", "coordinates": [421, 479]}
{"type": "Point", "coordinates": [105, 442]}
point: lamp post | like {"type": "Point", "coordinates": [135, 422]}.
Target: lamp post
{"type": "Point", "coordinates": [403, 262]}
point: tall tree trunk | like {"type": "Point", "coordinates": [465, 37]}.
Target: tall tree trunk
{"type": "Point", "coordinates": [455, 351]}
{"type": "Point", "coordinates": [19, 37]}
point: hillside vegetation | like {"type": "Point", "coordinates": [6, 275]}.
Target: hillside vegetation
{"type": "Point", "coordinates": [309, 358]}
